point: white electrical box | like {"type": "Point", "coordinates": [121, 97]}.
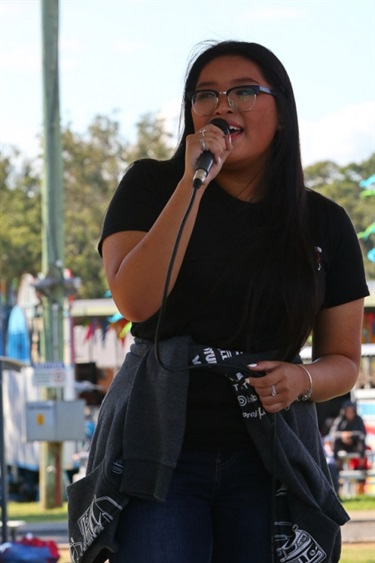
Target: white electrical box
{"type": "Point", "coordinates": [55, 421]}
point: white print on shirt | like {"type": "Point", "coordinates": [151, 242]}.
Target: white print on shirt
{"type": "Point", "coordinates": [92, 523]}
{"type": "Point", "coordinates": [292, 544]}
{"type": "Point", "coordinates": [255, 411]}
{"type": "Point", "coordinates": [249, 403]}
{"type": "Point", "coordinates": [211, 358]}
{"type": "Point", "coordinates": [297, 546]}
{"type": "Point", "coordinates": [259, 413]}
{"type": "Point", "coordinates": [245, 399]}
{"type": "Point", "coordinates": [248, 400]}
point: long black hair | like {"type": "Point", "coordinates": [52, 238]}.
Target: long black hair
{"type": "Point", "coordinates": [282, 183]}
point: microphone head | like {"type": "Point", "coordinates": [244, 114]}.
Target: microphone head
{"type": "Point", "coordinates": [222, 124]}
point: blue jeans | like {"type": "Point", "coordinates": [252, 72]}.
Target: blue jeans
{"type": "Point", "coordinates": [218, 510]}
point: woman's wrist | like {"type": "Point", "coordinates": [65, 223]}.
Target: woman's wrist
{"type": "Point", "coordinates": [307, 394]}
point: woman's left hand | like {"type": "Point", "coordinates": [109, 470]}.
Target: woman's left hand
{"type": "Point", "coordinates": [281, 386]}
{"type": "Point", "coordinates": [336, 354]}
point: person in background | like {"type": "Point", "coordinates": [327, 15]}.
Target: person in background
{"type": "Point", "coordinates": [348, 433]}
{"type": "Point", "coordinates": [262, 262]}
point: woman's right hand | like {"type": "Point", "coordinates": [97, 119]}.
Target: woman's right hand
{"type": "Point", "coordinates": [209, 138]}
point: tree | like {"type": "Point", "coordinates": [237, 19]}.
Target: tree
{"type": "Point", "coordinates": [93, 166]}
{"type": "Point", "coordinates": [152, 140]}
{"type": "Point", "coordinates": [20, 244]}
{"type": "Point", "coordinates": [93, 163]}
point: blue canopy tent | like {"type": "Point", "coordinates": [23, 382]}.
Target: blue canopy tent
{"type": "Point", "coordinates": [18, 336]}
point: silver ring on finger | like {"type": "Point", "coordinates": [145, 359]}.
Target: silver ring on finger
{"type": "Point", "coordinates": [273, 391]}
{"type": "Point", "coordinates": [203, 145]}
{"type": "Point", "coordinates": [203, 132]}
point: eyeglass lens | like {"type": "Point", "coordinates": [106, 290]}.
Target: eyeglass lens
{"type": "Point", "coordinates": [242, 98]}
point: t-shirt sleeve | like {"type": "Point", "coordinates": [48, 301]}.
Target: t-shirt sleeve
{"type": "Point", "coordinates": [345, 275]}
{"type": "Point", "coordinates": [137, 202]}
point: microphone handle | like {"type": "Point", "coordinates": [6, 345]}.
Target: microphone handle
{"type": "Point", "coordinates": [204, 165]}
{"type": "Point", "coordinates": [206, 159]}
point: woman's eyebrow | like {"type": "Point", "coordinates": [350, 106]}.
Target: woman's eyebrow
{"type": "Point", "coordinates": [245, 80]}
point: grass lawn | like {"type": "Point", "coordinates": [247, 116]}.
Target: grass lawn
{"type": "Point", "coordinates": [363, 502]}
{"type": "Point", "coordinates": [33, 512]}
{"type": "Point", "coordinates": [351, 553]}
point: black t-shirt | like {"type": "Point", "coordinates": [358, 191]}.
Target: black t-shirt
{"type": "Point", "coordinates": [207, 301]}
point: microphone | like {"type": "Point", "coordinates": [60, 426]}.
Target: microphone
{"type": "Point", "coordinates": [206, 159]}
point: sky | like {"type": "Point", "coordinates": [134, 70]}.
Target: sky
{"type": "Point", "coordinates": [124, 59]}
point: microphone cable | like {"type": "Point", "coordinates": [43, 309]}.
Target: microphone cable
{"type": "Point", "coordinates": [164, 300]}
{"type": "Point", "coordinates": [192, 366]}
{"type": "Point", "coordinates": [166, 288]}
{"type": "Point", "coordinates": [223, 125]}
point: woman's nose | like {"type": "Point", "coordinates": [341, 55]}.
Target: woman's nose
{"type": "Point", "coordinates": [223, 104]}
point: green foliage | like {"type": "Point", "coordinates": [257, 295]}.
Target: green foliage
{"type": "Point", "coordinates": [20, 235]}
{"type": "Point", "coordinates": [152, 140]}
{"type": "Point", "coordinates": [93, 164]}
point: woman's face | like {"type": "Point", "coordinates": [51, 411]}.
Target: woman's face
{"type": "Point", "coordinates": [253, 131]}
{"type": "Point", "coordinates": [350, 413]}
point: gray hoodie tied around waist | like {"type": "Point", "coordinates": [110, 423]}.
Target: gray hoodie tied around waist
{"type": "Point", "coordinates": [139, 437]}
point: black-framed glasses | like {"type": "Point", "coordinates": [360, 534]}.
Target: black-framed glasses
{"type": "Point", "coordinates": [240, 98]}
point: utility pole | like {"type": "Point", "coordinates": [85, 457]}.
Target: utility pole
{"type": "Point", "coordinates": [52, 283]}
